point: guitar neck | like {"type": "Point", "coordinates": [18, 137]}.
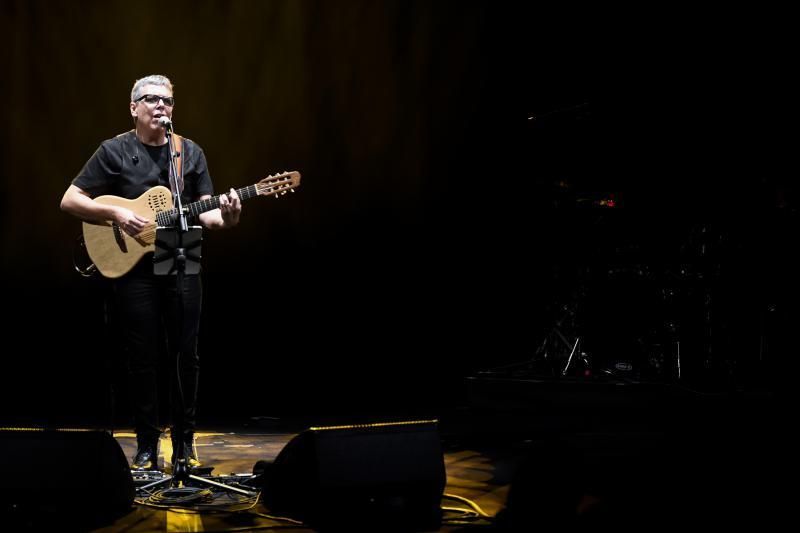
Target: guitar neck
{"type": "Point", "coordinates": [165, 218]}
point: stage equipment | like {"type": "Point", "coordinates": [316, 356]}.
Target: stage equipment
{"type": "Point", "coordinates": [378, 477]}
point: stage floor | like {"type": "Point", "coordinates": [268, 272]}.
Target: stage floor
{"type": "Point", "coordinates": [533, 453]}
{"type": "Point", "coordinates": [480, 476]}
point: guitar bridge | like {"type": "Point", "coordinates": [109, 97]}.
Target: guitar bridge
{"type": "Point", "coordinates": [119, 237]}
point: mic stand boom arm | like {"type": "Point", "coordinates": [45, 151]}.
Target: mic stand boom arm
{"type": "Point", "coordinates": [180, 222]}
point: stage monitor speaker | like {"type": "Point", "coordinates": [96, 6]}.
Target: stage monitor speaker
{"type": "Point", "coordinates": [68, 474]}
{"type": "Point", "coordinates": [377, 477]}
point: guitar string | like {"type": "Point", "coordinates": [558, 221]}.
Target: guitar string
{"type": "Point", "coordinates": [244, 193]}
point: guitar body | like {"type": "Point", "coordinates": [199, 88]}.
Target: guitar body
{"type": "Point", "coordinates": [113, 251]}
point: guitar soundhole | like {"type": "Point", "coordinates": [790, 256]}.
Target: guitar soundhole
{"type": "Point", "coordinates": [158, 202]}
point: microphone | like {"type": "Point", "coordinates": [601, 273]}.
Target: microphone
{"type": "Point", "coordinates": [165, 122]}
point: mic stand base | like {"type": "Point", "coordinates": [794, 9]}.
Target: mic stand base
{"type": "Point", "coordinates": [181, 477]}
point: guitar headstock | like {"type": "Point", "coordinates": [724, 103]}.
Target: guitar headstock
{"type": "Point", "coordinates": [278, 184]}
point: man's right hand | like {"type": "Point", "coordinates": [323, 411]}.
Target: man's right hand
{"type": "Point", "coordinates": [130, 222]}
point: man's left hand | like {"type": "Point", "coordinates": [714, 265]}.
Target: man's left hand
{"type": "Point", "coordinates": [230, 206]}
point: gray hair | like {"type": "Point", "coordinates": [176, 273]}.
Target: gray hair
{"type": "Point", "coordinates": [155, 79]}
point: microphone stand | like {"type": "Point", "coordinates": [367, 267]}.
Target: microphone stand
{"type": "Point", "coordinates": [180, 470]}
{"type": "Point", "coordinates": [182, 243]}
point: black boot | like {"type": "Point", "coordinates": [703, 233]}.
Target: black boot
{"type": "Point", "coordinates": [146, 454]}
{"type": "Point", "coordinates": [184, 443]}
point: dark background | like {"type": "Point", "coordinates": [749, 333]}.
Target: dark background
{"type": "Point", "coordinates": [456, 157]}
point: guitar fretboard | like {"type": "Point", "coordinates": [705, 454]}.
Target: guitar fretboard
{"type": "Point", "coordinates": [166, 218]}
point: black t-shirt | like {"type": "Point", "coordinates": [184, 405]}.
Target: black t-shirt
{"type": "Point", "coordinates": [125, 167]}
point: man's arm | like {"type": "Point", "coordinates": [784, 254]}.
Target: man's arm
{"type": "Point", "coordinates": [226, 215]}
{"type": "Point", "coordinates": [78, 203]}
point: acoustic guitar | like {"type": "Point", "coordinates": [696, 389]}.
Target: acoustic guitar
{"type": "Point", "coordinates": [115, 253]}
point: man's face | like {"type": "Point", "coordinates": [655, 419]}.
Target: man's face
{"type": "Point", "coordinates": [148, 109]}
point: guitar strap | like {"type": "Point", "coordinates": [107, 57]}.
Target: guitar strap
{"type": "Point", "coordinates": [178, 140]}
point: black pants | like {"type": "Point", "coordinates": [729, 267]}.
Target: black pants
{"type": "Point", "coordinates": [145, 304]}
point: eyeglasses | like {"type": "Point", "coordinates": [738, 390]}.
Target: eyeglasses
{"type": "Point", "coordinates": [169, 101]}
